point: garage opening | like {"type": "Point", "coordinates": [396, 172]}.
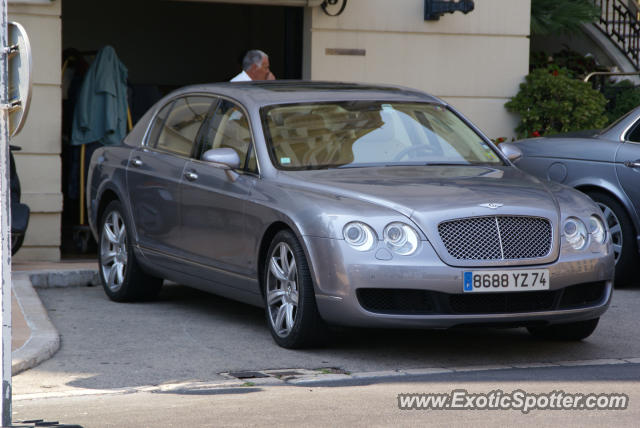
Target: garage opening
{"type": "Point", "coordinates": [165, 44]}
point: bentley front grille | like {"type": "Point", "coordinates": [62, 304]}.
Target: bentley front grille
{"type": "Point", "coordinates": [497, 237]}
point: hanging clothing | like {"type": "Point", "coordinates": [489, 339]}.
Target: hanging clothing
{"type": "Point", "coordinates": [101, 110]}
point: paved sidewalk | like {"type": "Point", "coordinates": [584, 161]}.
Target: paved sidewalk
{"type": "Point", "coordinates": [33, 337]}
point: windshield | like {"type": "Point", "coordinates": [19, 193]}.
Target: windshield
{"type": "Point", "coordinates": [371, 133]}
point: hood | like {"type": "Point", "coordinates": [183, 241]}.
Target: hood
{"type": "Point", "coordinates": [429, 194]}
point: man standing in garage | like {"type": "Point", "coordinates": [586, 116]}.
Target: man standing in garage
{"type": "Point", "coordinates": [255, 66]}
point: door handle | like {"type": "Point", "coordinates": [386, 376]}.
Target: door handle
{"type": "Point", "coordinates": [632, 164]}
{"type": "Point", "coordinates": [136, 162]}
{"type": "Point", "coordinates": [191, 176]}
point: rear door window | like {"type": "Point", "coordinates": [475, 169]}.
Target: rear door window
{"type": "Point", "coordinates": [177, 125]}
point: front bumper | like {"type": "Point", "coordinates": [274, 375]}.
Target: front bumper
{"type": "Point", "coordinates": [341, 274]}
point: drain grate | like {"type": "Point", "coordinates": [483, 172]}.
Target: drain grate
{"type": "Point", "coordinates": [247, 375]}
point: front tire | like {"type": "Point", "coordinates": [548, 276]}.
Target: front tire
{"type": "Point", "coordinates": [122, 278]}
{"type": "Point", "coordinates": [290, 303]}
{"type": "Point", "coordinates": [572, 331]}
{"type": "Point", "coordinates": [622, 235]}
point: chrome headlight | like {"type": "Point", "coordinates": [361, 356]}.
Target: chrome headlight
{"type": "Point", "coordinates": [360, 236]}
{"type": "Point", "coordinates": [401, 238]}
{"type": "Point", "coordinates": [597, 230]}
{"type": "Point", "coordinates": [575, 232]}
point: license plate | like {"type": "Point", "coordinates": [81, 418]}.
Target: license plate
{"type": "Point", "coordinates": [505, 280]}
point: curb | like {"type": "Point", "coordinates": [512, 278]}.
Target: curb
{"type": "Point", "coordinates": [44, 340]}
{"type": "Point", "coordinates": [66, 278]}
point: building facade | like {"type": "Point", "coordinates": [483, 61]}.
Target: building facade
{"type": "Point", "coordinates": [474, 61]}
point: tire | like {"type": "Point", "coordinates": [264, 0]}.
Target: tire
{"type": "Point", "coordinates": [572, 331]}
{"type": "Point", "coordinates": [622, 235]}
{"type": "Point", "coordinates": [290, 302]}
{"type": "Point", "coordinates": [122, 278]}
{"type": "Point", "coordinates": [16, 242]}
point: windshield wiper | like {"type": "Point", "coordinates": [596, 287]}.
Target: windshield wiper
{"type": "Point", "coordinates": [446, 164]}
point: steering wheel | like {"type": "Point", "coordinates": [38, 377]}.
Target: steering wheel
{"type": "Point", "coordinates": [423, 148]}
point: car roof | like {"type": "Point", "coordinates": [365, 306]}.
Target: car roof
{"type": "Point", "coordinates": [296, 91]}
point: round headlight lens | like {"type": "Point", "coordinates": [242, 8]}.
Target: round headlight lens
{"type": "Point", "coordinates": [597, 230]}
{"type": "Point", "coordinates": [575, 232]}
{"type": "Point", "coordinates": [360, 236]}
{"type": "Point", "coordinates": [401, 238]}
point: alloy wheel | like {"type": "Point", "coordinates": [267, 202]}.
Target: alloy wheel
{"type": "Point", "coordinates": [282, 289]}
{"type": "Point", "coordinates": [113, 251]}
{"type": "Point", "coordinates": [614, 228]}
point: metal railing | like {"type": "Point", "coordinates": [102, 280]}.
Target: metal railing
{"type": "Point", "coordinates": [619, 22]}
{"type": "Point", "coordinates": [610, 73]}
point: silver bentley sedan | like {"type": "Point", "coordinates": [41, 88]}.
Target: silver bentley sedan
{"type": "Point", "coordinates": [336, 203]}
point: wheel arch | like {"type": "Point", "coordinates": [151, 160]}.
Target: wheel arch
{"type": "Point", "coordinates": [615, 194]}
{"type": "Point", "coordinates": [107, 195]}
{"type": "Point", "coordinates": [265, 242]}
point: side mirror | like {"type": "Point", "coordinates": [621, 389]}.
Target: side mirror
{"type": "Point", "coordinates": [511, 151]}
{"type": "Point", "coordinates": [224, 158]}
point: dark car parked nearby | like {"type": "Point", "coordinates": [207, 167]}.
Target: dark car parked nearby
{"type": "Point", "coordinates": [343, 204]}
{"type": "Point", "coordinates": [606, 166]}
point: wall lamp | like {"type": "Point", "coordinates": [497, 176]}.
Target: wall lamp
{"type": "Point", "coordinates": [326, 4]}
{"type": "Point", "coordinates": [434, 9]}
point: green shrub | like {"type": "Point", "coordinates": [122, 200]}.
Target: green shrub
{"type": "Point", "coordinates": [580, 65]}
{"type": "Point", "coordinates": [561, 16]}
{"type": "Point", "coordinates": [623, 96]}
{"type": "Point", "coordinates": [551, 101]}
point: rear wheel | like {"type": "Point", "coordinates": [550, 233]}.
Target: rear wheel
{"type": "Point", "coordinates": [122, 278]}
{"type": "Point", "coordinates": [291, 309]}
{"type": "Point", "coordinates": [570, 331]}
{"type": "Point", "coordinates": [625, 247]}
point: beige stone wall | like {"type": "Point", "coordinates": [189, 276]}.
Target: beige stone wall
{"type": "Point", "coordinates": [474, 61]}
{"type": "Point", "coordinates": [39, 161]}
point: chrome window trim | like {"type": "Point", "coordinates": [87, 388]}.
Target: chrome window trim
{"type": "Point", "coordinates": [627, 130]}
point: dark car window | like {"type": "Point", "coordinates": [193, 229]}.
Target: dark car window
{"type": "Point", "coordinates": [634, 135]}
{"type": "Point", "coordinates": [229, 128]}
{"type": "Point", "coordinates": [175, 129]}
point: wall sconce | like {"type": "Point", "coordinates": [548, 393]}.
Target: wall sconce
{"type": "Point", "coordinates": [328, 3]}
{"type": "Point", "coordinates": [434, 9]}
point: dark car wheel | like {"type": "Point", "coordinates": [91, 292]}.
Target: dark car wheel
{"type": "Point", "coordinates": [17, 240]}
{"type": "Point", "coordinates": [622, 235]}
{"type": "Point", "coordinates": [290, 302]}
{"type": "Point", "coordinates": [571, 331]}
{"type": "Point", "coordinates": [122, 278]}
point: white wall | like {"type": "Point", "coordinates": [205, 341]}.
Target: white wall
{"type": "Point", "coordinates": [474, 61]}
{"type": "Point", "coordinates": [39, 161]}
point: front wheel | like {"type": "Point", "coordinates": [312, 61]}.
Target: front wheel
{"type": "Point", "coordinates": [623, 237]}
{"type": "Point", "coordinates": [122, 278]}
{"type": "Point", "coordinates": [291, 309]}
{"type": "Point", "coordinates": [572, 331]}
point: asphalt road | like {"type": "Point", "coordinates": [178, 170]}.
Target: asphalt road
{"type": "Point", "coordinates": [191, 336]}
{"type": "Point", "coordinates": [373, 405]}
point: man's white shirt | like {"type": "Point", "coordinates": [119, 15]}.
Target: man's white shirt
{"type": "Point", "coordinates": [242, 77]}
